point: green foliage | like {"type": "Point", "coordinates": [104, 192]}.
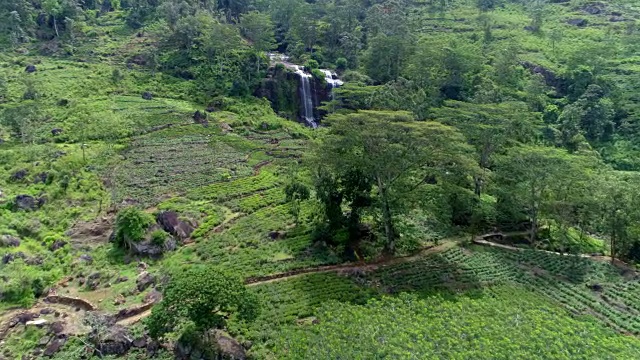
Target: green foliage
{"type": "Point", "coordinates": [25, 283]}
{"type": "Point", "coordinates": [296, 192]}
{"type": "Point", "coordinates": [345, 330]}
{"type": "Point", "coordinates": [159, 237]}
{"type": "Point", "coordinates": [388, 152]}
{"type": "Point", "coordinates": [312, 64]}
{"type": "Point", "coordinates": [204, 297]}
{"type": "Point", "coordinates": [131, 226]}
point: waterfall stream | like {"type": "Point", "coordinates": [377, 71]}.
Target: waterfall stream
{"type": "Point", "coordinates": [306, 93]}
{"type": "Point", "coordinates": [331, 78]}
{"type": "Point", "coordinates": [307, 100]}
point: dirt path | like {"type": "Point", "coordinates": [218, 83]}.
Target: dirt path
{"type": "Point", "coordinates": [134, 319]}
{"type": "Point", "coordinates": [74, 317]}
{"type": "Point", "coordinates": [601, 258]}
{"type": "Point", "coordinates": [349, 266]}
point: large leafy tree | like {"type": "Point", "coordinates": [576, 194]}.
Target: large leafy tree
{"type": "Point", "coordinates": [537, 181]}
{"type": "Point", "coordinates": [259, 30]}
{"type": "Point", "coordinates": [590, 116]}
{"type": "Point", "coordinates": [491, 129]}
{"type": "Point", "coordinates": [390, 41]}
{"type": "Point", "coordinates": [378, 161]}
{"type": "Point", "coordinates": [618, 194]}
{"type": "Point", "coordinates": [204, 298]}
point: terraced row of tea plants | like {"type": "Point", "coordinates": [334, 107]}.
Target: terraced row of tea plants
{"type": "Point", "coordinates": [502, 322]}
{"type": "Point", "coordinates": [157, 166]}
{"type": "Point", "coordinates": [566, 300]}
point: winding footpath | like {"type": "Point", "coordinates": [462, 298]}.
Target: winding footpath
{"type": "Point", "coordinates": [73, 314]}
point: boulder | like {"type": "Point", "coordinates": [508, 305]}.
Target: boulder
{"type": "Point", "coordinates": [144, 280]}
{"type": "Point", "coordinates": [25, 317]}
{"type": "Point", "coordinates": [34, 261]}
{"type": "Point", "coordinates": [595, 287]}
{"type": "Point", "coordinates": [93, 281]}
{"type": "Point", "coordinates": [42, 200]}
{"type": "Point", "coordinates": [592, 9]}
{"type": "Point", "coordinates": [154, 296]}
{"type": "Point", "coordinates": [93, 284]}
{"type": "Point", "coordinates": [86, 258]}
{"type": "Point", "coordinates": [59, 154]}
{"type": "Point", "coordinates": [56, 132]}
{"type": "Point", "coordinates": [617, 19]}
{"type": "Point", "coordinates": [226, 128]}
{"type": "Point", "coordinates": [44, 341]}
{"type": "Point", "coordinates": [121, 279]}
{"type": "Point", "coordinates": [117, 341]}
{"type": "Point", "coordinates": [26, 203]}
{"type": "Point", "coordinates": [54, 347]}
{"type": "Point", "coordinates": [95, 275]}
{"type": "Point", "coordinates": [9, 241]}
{"type": "Point", "coordinates": [140, 342]}
{"type": "Point", "coordinates": [10, 257]}
{"type": "Point", "coordinates": [578, 22]}
{"type": "Point", "coordinates": [147, 95]}
{"type": "Point", "coordinates": [139, 59]}
{"type": "Point", "coordinates": [56, 327]}
{"type": "Point", "coordinates": [171, 223]}
{"type": "Point", "coordinates": [41, 178]}
{"type": "Point", "coordinates": [228, 347]}
{"type": "Point", "coordinates": [277, 235]}
{"type": "Point", "coordinates": [19, 175]}
{"type": "Point", "coordinates": [148, 249]}
{"type": "Point", "coordinates": [119, 300]}
{"type": "Point", "coordinates": [46, 311]}
{"type": "Point", "coordinates": [199, 117]}
{"type": "Point", "coordinates": [30, 69]}
{"type": "Point", "coordinates": [58, 244]}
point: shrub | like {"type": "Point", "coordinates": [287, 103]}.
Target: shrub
{"type": "Point", "coordinates": [341, 64]}
{"type": "Point", "coordinates": [312, 64]}
{"type": "Point", "coordinates": [318, 75]}
{"type": "Point", "coordinates": [204, 298]}
{"type": "Point", "coordinates": [131, 225]}
{"type": "Point", "coordinates": [158, 237]}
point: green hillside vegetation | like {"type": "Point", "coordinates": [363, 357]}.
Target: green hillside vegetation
{"type": "Point", "coordinates": [135, 153]}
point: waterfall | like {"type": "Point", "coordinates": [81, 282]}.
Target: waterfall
{"type": "Point", "coordinates": [331, 78]}
{"type": "Point", "coordinates": [309, 97]}
{"type": "Point", "coordinates": [307, 100]}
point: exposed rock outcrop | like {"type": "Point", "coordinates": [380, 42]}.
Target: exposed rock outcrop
{"type": "Point", "coordinates": [560, 84]}
{"type": "Point", "coordinates": [282, 88]}
{"type": "Point", "coordinates": [144, 280]}
{"type": "Point", "coordinates": [578, 22]}
{"type": "Point", "coordinates": [9, 241]}
{"type": "Point", "coordinates": [172, 224]}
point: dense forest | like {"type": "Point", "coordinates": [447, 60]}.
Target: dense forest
{"type": "Point", "coordinates": [161, 149]}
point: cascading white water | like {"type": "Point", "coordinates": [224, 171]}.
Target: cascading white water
{"type": "Point", "coordinates": [305, 90]}
{"type": "Point", "coordinates": [307, 101]}
{"type": "Point", "coordinates": [331, 78]}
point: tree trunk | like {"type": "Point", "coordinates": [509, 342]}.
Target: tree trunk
{"type": "Point", "coordinates": [613, 239]}
{"type": "Point", "coordinates": [533, 216]}
{"type": "Point", "coordinates": [478, 186]}
{"type": "Point", "coordinates": [613, 247]}
{"type": "Point", "coordinates": [55, 26]}
{"type": "Point", "coordinates": [390, 246]}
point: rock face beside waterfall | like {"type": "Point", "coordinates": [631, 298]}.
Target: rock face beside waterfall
{"type": "Point", "coordinates": [282, 87]}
